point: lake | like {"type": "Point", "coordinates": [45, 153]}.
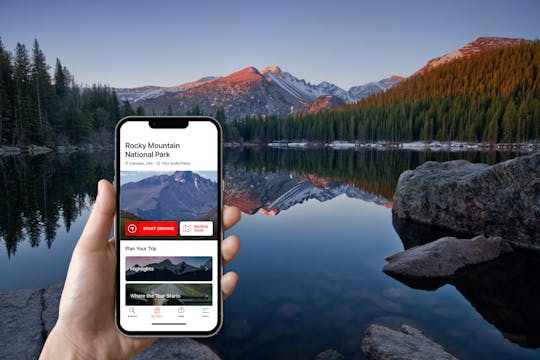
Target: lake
{"type": "Point", "coordinates": [316, 229]}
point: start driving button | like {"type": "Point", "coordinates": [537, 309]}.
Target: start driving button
{"type": "Point", "coordinates": [151, 228]}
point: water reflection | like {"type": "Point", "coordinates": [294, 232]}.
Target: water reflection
{"type": "Point", "coordinates": [271, 192]}
{"type": "Point", "coordinates": [39, 191]}
{"type": "Point", "coordinates": [311, 276]}
{"type": "Point", "coordinates": [277, 171]}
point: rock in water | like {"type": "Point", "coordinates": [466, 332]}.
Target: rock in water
{"type": "Point", "coordinates": [329, 354]}
{"type": "Point", "coordinates": [441, 259]}
{"type": "Point", "coordinates": [382, 343]}
{"type": "Point", "coordinates": [183, 348]}
{"type": "Point", "coordinates": [499, 200]}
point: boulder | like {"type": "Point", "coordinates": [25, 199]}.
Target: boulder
{"type": "Point", "coordinates": [502, 290]}
{"type": "Point", "coordinates": [382, 343]}
{"type": "Point", "coordinates": [183, 348]}
{"type": "Point", "coordinates": [436, 261]}
{"type": "Point", "coordinates": [21, 331]}
{"type": "Point", "coordinates": [498, 200]}
{"type": "Point", "coordinates": [51, 302]}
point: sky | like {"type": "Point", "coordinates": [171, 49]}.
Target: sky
{"type": "Point", "coordinates": [169, 42]}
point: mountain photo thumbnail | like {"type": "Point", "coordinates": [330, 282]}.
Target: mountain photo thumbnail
{"type": "Point", "coordinates": [178, 196]}
{"type": "Point", "coordinates": [171, 268]}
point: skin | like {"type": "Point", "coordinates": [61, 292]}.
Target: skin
{"type": "Point", "coordinates": [85, 328]}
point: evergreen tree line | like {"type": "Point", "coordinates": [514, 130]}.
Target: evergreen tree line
{"type": "Point", "coordinates": [493, 97]}
{"type": "Point", "coordinates": [37, 107]}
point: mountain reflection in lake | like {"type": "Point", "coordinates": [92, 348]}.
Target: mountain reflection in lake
{"type": "Point", "coordinates": [310, 277]}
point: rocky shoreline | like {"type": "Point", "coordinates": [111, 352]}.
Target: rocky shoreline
{"type": "Point", "coordinates": [451, 146]}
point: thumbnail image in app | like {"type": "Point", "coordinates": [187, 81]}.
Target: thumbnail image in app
{"type": "Point", "coordinates": [169, 268]}
{"type": "Point", "coordinates": [169, 294]}
{"type": "Point", "coordinates": [152, 204]}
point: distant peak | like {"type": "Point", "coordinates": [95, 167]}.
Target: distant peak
{"type": "Point", "coordinates": [480, 44]}
{"type": "Point", "coordinates": [207, 78]}
{"type": "Point", "coordinates": [397, 78]}
{"type": "Point", "coordinates": [246, 74]}
{"type": "Point", "coordinates": [496, 38]}
{"type": "Point", "coordinates": [249, 69]}
{"type": "Point", "coordinates": [273, 69]}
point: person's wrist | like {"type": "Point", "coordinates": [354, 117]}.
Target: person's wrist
{"type": "Point", "coordinates": [65, 344]}
{"type": "Point", "coordinates": [58, 346]}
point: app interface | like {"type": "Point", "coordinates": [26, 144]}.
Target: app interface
{"type": "Point", "coordinates": [168, 227]}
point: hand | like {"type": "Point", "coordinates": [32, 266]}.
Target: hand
{"type": "Point", "coordinates": [86, 327]}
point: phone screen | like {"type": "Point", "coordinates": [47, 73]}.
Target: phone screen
{"type": "Point", "coordinates": [168, 226]}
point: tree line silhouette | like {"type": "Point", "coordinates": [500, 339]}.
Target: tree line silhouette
{"type": "Point", "coordinates": [37, 108]}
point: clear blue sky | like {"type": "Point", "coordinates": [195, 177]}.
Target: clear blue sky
{"type": "Point", "coordinates": [132, 43]}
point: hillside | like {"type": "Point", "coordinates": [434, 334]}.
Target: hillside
{"type": "Point", "coordinates": [492, 95]}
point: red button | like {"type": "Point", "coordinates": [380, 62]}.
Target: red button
{"type": "Point", "coordinates": [151, 228]}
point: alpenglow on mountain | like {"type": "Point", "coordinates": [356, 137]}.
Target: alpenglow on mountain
{"type": "Point", "coordinates": [250, 92]}
{"type": "Point", "coordinates": [476, 46]}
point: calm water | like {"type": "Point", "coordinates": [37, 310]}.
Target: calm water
{"type": "Point", "coordinates": [313, 246]}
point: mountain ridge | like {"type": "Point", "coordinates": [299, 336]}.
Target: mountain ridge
{"type": "Point", "coordinates": [247, 92]}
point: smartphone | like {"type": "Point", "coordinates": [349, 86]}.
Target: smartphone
{"type": "Point", "coordinates": [168, 228]}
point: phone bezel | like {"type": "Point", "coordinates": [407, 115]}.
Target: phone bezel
{"type": "Point", "coordinates": [168, 122]}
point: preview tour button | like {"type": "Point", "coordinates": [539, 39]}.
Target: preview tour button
{"type": "Point", "coordinates": [151, 228]}
{"type": "Point", "coordinates": [196, 228]}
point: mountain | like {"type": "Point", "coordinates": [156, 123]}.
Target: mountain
{"type": "Point", "coordinates": [138, 94]}
{"type": "Point", "coordinates": [477, 46]}
{"type": "Point", "coordinates": [490, 93]}
{"type": "Point", "coordinates": [167, 271]}
{"type": "Point", "coordinates": [299, 88]}
{"type": "Point", "coordinates": [248, 92]}
{"type": "Point", "coordinates": [184, 195]}
{"type": "Point", "coordinates": [362, 91]}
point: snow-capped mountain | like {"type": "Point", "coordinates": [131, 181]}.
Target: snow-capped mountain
{"type": "Point", "coordinates": [301, 89]}
{"type": "Point", "coordinates": [183, 195]}
{"type": "Point", "coordinates": [248, 92]}
{"type": "Point", "coordinates": [471, 48]}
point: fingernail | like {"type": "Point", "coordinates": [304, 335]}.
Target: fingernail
{"type": "Point", "coordinates": [99, 186]}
